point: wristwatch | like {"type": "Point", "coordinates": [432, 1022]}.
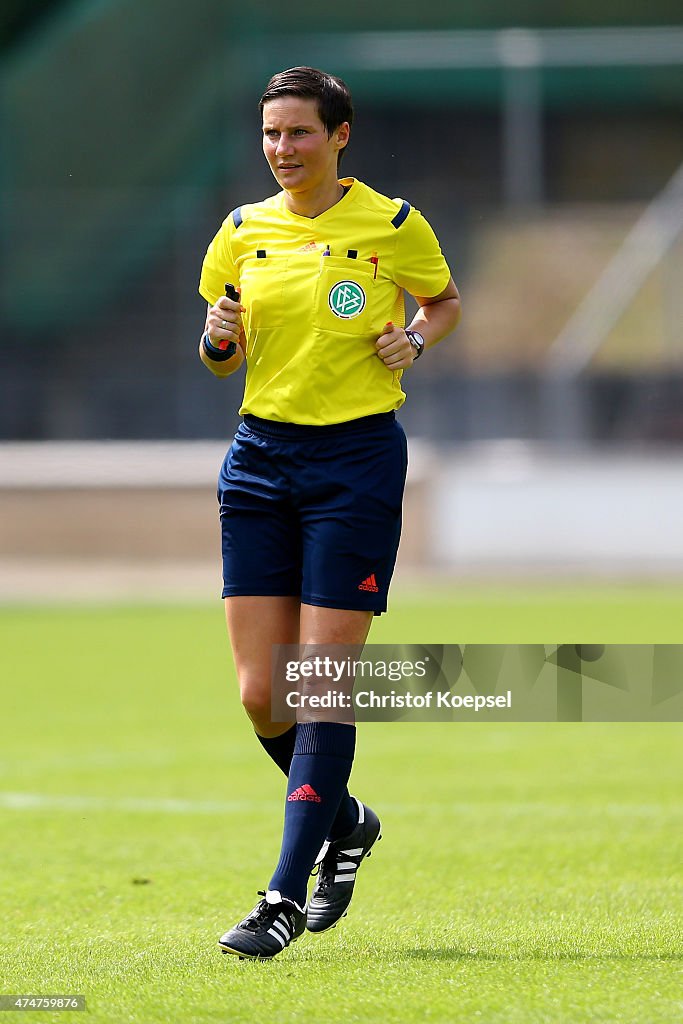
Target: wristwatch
{"type": "Point", "coordinates": [417, 341]}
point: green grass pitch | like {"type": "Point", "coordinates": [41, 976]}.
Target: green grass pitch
{"type": "Point", "coordinates": [528, 873]}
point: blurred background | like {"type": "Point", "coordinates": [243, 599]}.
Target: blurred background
{"type": "Point", "coordinates": [543, 142]}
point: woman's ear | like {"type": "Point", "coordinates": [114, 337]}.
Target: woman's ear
{"type": "Point", "coordinates": [343, 133]}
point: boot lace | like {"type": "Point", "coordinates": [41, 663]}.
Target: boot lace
{"type": "Point", "coordinates": [326, 870]}
{"type": "Point", "coordinates": [260, 914]}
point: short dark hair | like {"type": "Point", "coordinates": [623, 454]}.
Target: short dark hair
{"type": "Point", "coordinates": [332, 95]}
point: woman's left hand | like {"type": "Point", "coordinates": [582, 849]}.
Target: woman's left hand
{"type": "Point", "coordinates": [394, 349]}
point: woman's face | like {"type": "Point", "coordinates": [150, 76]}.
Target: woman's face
{"type": "Point", "coordinates": [296, 144]}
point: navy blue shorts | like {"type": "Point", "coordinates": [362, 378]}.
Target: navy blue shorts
{"type": "Point", "coordinates": [313, 512]}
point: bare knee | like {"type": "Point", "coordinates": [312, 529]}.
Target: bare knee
{"type": "Point", "coordinates": [255, 697]}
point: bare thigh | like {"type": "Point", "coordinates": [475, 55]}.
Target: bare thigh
{"type": "Point", "coordinates": [254, 625]}
{"type": "Point", "coordinates": [337, 633]}
{"type": "Point", "coordinates": [333, 625]}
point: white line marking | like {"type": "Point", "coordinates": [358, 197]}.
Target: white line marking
{"type": "Point", "coordinates": [161, 805]}
{"type": "Point", "coordinates": [13, 801]}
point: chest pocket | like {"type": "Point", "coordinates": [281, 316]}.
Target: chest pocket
{"type": "Point", "coordinates": [345, 294]}
{"type": "Point", "coordinates": [262, 283]}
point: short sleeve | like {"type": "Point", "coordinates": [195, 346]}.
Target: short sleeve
{"type": "Point", "coordinates": [420, 266]}
{"type": "Point", "coordinates": [218, 266]}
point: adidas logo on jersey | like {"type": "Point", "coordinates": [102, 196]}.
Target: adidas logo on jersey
{"type": "Point", "coordinates": [369, 584]}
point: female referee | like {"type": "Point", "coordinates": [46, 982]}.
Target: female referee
{"type": "Point", "coordinates": [311, 489]}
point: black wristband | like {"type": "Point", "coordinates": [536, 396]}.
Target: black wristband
{"type": "Point", "coordinates": [218, 355]}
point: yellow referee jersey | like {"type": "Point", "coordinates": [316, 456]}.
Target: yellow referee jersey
{"type": "Point", "coordinates": [318, 292]}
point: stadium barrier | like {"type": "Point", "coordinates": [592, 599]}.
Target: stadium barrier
{"type": "Point", "coordinates": [487, 508]}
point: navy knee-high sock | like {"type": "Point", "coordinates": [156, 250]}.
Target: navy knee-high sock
{"type": "Point", "coordinates": [281, 750]}
{"type": "Point", "coordinates": [321, 765]}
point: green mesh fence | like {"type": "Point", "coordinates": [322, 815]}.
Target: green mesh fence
{"type": "Point", "coordinates": [109, 121]}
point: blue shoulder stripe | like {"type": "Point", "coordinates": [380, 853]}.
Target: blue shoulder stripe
{"type": "Point", "coordinates": [237, 216]}
{"type": "Point", "coordinates": [402, 214]}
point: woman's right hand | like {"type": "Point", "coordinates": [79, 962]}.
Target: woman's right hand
{"type": "Point", "coordinates": [224, 322]}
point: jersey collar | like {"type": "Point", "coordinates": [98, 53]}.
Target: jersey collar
{"type": "Point", "coordinates": [346, 200]}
